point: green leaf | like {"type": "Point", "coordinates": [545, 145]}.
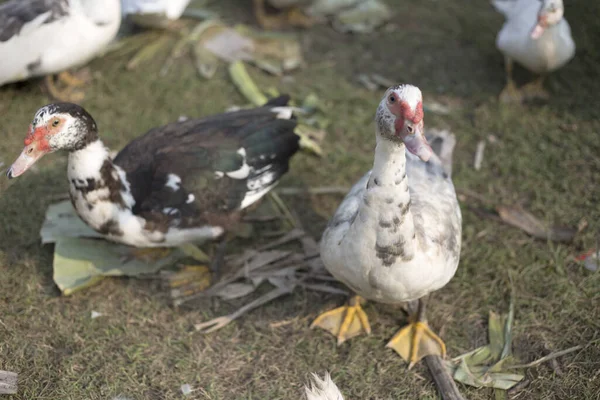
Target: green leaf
{"type": "Point", "coordinates": [500, 394]}
{"type": "Point", "coordinates": [506, 350]}
{"type": "Point", "coordinates": [62, 221]}
{"type": "Point", "coordinates": [195, 252]}
{"type": "Point", "coordinates": [479, 356]}
{"type": "Point", "coordinates": [496, 326]}
{"type": "Point", "coordinates": [307, 142]}
{"type": "Point", "coordinates": [481, 376]}
{"type": "Point", "coordinates": [483, 366]}
{"type": "Point", "coordinates": [81, 262]}
{"type": "Point", "coordinates": [245, 84]}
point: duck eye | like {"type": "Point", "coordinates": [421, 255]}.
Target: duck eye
{"type": "Point", "coordinates": [55, 122]}
{"type": "Point", "coordinates": [392, 99]}
{"type": "Point", "coordinates": [409, 129]}
{"type": "Point", "coordinates": [30, 150]}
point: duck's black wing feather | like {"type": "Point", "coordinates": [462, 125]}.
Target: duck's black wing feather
{"type": "Point", "coordinates": [191, 172]}
{"type": "Point", "coordinates": [15, 14]}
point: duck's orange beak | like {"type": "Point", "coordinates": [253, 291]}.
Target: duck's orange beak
{"type": "Point", "coordinates": [36, 146]}
{"type": "Point", "coordinates": [28, 157]}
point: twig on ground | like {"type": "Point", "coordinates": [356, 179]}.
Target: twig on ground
{"type": "Point", "coordinates": [554, 355]}
{"type": "Point", "coordinates": [443, 381]}
{"type": "Point", "coordinates": [220, 322]}
{"type": "Point", "coordinates": [294, 191]}
{"type": "Point", "coordinates": [479, 155]}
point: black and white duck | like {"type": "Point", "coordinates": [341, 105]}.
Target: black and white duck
{"type": "Point", "coordinates": [396, 237]}
{"type": "Point", "coordinates": [183, 182]}
{"type": "Point", "coordinates": [46, 37]}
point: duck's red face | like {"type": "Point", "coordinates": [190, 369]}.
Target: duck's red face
{"type": "Point", "coordinates": [551, 13]}
{"type": "Point", "coordinates": [405, 103]}
{"type": "Point", "coordinates": [37, 144]}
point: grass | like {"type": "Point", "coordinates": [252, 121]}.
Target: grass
{"type": "Point", "coordinates": [547, 158]}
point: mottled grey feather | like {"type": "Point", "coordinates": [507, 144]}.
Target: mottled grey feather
{"type": "Point", "coordinates": [16, 13]}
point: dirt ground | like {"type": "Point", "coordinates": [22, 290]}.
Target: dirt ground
{"type": "Point", "coordinates": [546, 158]}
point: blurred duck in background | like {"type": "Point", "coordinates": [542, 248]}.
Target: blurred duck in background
{"type": "Point", "coordinates": [154, 13]}
{"type": "Point", "coordinates": [537, 36]}
{"type": "Point", "coordinates": [358, 16]}
{"type": "Point", "coordinates": [47, 37]}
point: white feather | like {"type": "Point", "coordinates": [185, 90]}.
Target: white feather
{"type": "Point", "coordinates": [173, 182]}
{"type": "Point", "coordinates": [169, 9]}
{"type": "Point", "coordinates": [285, 112]}
{"type": "Point", "coordinates": [411, 95]}
{"type": "Point", "coordinates": [322, 389]}
{"type": "Point", "coordinates": [176, 237]}
{"type": "Point", "coordinates": [244, 170]}
{"type": "Point", "coordinates": [253, 196]}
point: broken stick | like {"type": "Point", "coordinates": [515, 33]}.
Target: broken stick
{"type": "Point", "coordinates": [443, 381]}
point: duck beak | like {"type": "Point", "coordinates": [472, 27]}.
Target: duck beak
{"type": "Point", "coordinates": [417, 144]}
{"type": "Point", "coordinates": [28, 157]}
{"type": "Point", "coordinates": [539, 28]}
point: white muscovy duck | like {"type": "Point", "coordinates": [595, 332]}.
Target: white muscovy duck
{"type": "Point", "coordinates": [396, 237]}
{"type": "Point", "coordinates": [154, 13]}
{"type": "Point", "coordinates": [183, 182]}
{"type": "Point", "coordinates": [537, 36]}
{"type": "Point", "coordinates": [46, 37]}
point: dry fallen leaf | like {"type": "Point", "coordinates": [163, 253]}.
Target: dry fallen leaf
{"type": "Point", "coordinates": [479, 155]}
{"type": "Point", "coordinates": [518, 217]}
{"type": "Point", "coordinates": [235, 290]}
{"type": "Point", "coordinates": [8, 382]}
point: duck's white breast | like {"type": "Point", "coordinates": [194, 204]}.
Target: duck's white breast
{"type": "Point", "coordinates": [349, 250]}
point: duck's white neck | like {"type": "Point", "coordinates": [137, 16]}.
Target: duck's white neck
{"type": "Point", "coordinates": [388, 199]}
{"type": "Point", "coordinates": [390, 162]}
{"type": "Point", "coordinates": [88, 162]}
{"type": "Point", "coordinates": [91, 169]}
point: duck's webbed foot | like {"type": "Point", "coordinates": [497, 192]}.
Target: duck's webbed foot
{"type": "Point", "coordinates": [71, 93]}
{"type": "Point", "coordinates": [535, 90]}
{"type": "Point", "coordinates": [345, 322]}
{"type": "Point", "coordinates": [289, 17]}
{"type": "Point", "coordinates": [417, 340]}
{"type": "Point", "coordinates": [510, 93]}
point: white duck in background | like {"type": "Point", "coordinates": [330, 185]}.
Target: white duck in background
{"type": "Point", "coordinates": [154, 13]}
{"type": "Point", "coordinates": [537, 36]}
{"type": "Point", "coordinates": [45, 37]}
{"type": "Point", "coordinates": [396, 237]}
